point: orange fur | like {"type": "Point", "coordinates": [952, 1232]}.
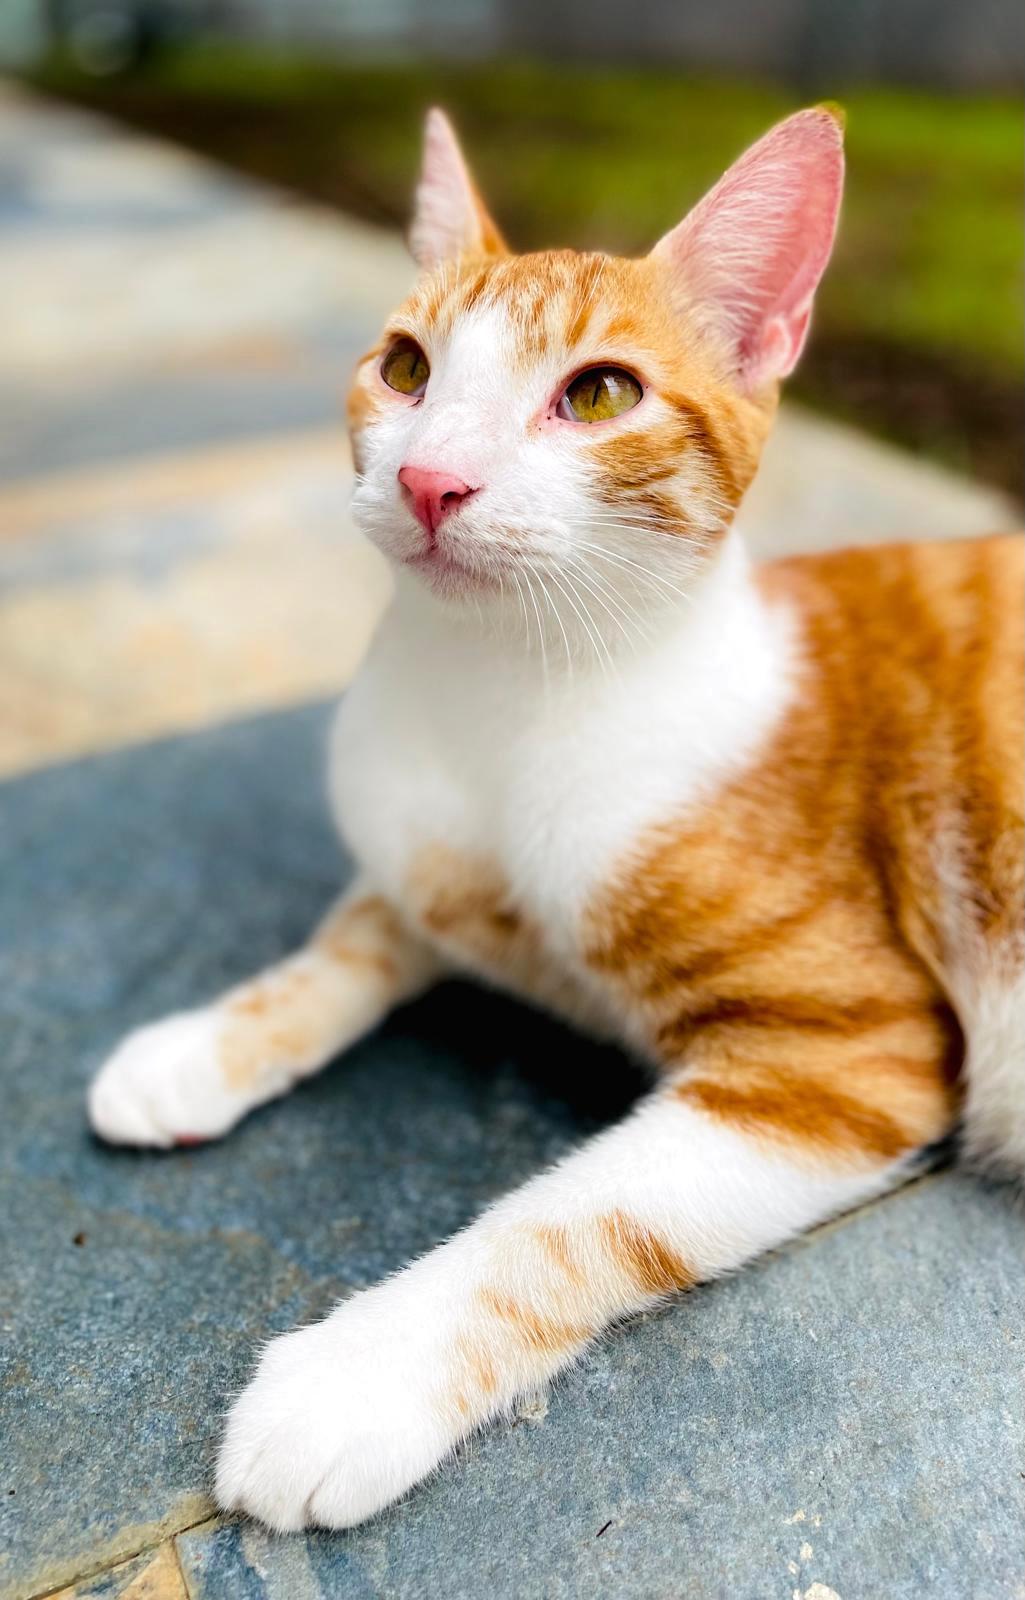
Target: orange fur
{"type": "Point", "coordinates": [792, 946]}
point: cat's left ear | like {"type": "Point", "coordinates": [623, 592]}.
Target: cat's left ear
{"type": "Point", "coordinates": [751, 253]}
{"type": "Point", "coordinates": [450, 218]}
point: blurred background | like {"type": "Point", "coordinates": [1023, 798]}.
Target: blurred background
{"type": "Point", "coordinates": [181, 331]}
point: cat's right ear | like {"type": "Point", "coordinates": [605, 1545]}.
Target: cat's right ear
{"type": "Point", "coordinates": [449, 218]}
{"type": "Point", "coordinates": [753, 250]}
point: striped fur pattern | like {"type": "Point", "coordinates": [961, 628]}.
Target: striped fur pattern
{"type": "Point", "coordinates": [764, 828]}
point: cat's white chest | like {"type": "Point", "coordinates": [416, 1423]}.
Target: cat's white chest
{"type": "Point", "coordinates": [455, 748]}
{"type": "Point", "coordinates": [448, 759]}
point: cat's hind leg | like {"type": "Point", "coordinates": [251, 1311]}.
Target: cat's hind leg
{"type": "Point", "coordinates": [193, 1075]}
{"type": "Point", "coordinates": [968, 923]}
{"type": "Point", "coordinates": [992, 1012]}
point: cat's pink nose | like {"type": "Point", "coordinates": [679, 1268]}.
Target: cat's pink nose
{"type": "Point", "coordinates": [432, 495]}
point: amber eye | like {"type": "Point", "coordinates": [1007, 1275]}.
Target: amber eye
{"type": "Point", "coordinates": [405, 367]}
{"type": "Point", "coordinates": [599, 393]}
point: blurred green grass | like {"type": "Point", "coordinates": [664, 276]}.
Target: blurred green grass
{"type": "Point", "coordinates": [922, 306]}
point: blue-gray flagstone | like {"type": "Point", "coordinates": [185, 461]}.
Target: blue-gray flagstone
{"type": "Point", "coordinates": [846, 1414]}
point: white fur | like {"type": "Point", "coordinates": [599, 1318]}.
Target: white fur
{"type": "Point", "coordinates": [163, 1084]}
{"type": "Point", "coordinates": [343, 1417]}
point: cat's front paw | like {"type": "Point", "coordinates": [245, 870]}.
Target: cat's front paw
{"type": "Point", "coordinates": [164, 1085]}
{"type": "Point", "coordinates": [340, 1420]}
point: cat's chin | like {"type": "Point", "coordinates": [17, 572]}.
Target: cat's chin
{"type": "Point", "coordinates": [447, 577]}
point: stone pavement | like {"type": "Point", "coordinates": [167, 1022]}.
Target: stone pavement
{"type": "Point", "coordinates": [844, 1419]}
{"type": "Point", "coordinates": [847, 1413]}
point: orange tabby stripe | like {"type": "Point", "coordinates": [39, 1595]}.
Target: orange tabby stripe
{"type": "Point", "coordinates": [577, 1297]}
{"type": "Point", "coordinates": [546, 1336]}
{"type": "Point", "coordinates": [797, 1107]}
{"type": "Point", "coordinates": [654, 1266]}
{"type": "Point", "coordinates": [791, 943]}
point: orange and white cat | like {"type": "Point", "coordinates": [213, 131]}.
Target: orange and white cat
{"type": "Point", "coordinates": [762, 827]}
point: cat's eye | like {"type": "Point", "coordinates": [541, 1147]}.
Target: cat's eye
{"type": "Point", "coordinates": [598, 394]}
{"type": "Point", "coordinates": [405, 368]}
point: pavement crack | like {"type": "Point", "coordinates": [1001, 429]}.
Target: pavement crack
{"type": "Point", "coordinates": [146, 1547]}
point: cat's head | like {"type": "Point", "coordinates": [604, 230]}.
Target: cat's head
{"type": "Point", "coordinates": [570, 419]}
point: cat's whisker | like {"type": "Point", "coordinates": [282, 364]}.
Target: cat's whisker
{"type": "Point", "coordinates": [540, 630]}
{"type": "Point", "coordinates": [623, 559]}
{"type": "Point", "coordinates": [624, 510]}
{"type": "Point", "coordinates": [621, 602]}
{"type": "Point", "coordinates": [501, 600]}
{"type": "Point", "coordinates": [607, 652]}
{"type": "Point", "coordinates": [653, 580]}
{"type": "Point", "coordinates": [669, 536]}
{"type": "Point", "coordinates": [673, 544]}
{"type": "Point", "coordinates": [523, 607]}
{"type": "Point", "coordinates": [580, 578]}
{"type": "Point", "coordinates": [720, 512]}
{"type": "Point", "coordinates": [672, 556]}
{"type": "Point", "coordinates": [475, 568]}
{"type": "Point", "coordinates": [588, 581]}
{"type": "Point", "coordinates": [654, 575]}
{"type": "Point", "coordinates": [558, 617]}
{"type": "Point", "coordinates": [560, 585]}
{"type": "Point", "coordinates": [603, 654]}
{"type": "Point", "coordinates": [651, 588]}
{"type": "Point", "coordinates": [596, 277]}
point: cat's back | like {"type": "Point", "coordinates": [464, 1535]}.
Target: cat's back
{"type": "Point", "coordinates": [927, 640]}
{"type": "Point", "coordinates": [914, 665]}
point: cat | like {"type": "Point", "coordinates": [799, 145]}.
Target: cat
{"type": "Point", "coordinates": [761, 827]}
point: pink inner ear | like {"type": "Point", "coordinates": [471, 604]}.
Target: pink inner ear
{"type": "Point", "coordinates": [755, 247]}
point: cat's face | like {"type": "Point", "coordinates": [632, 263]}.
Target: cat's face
{"type": "Point", "coordinates": [564, 424]}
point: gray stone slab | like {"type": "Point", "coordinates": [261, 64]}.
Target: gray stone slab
{"type": "Point", "coordinates": [857, 1396]}
{"type": "Point", "coordinates": [845, 1414]}
{"type": "Point", "coordinates": [128, 886]}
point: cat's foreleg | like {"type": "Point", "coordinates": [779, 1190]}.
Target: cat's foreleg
{"type": "Point", "coordinates": [344, 1416]}
{"type": "Point", "coordinates": [193, 1075]}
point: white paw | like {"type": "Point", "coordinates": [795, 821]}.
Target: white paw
{"type": "Point", "coordinates": [341, 1418]}
{"type": "Point", "coordinates": [164, 1085]}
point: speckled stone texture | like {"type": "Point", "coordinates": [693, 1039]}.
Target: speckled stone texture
{"type": "Point", "coordinates": [846, 1414]}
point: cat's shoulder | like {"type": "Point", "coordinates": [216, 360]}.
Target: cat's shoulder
{"type": "Point", "coordinates": [900, 582]}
